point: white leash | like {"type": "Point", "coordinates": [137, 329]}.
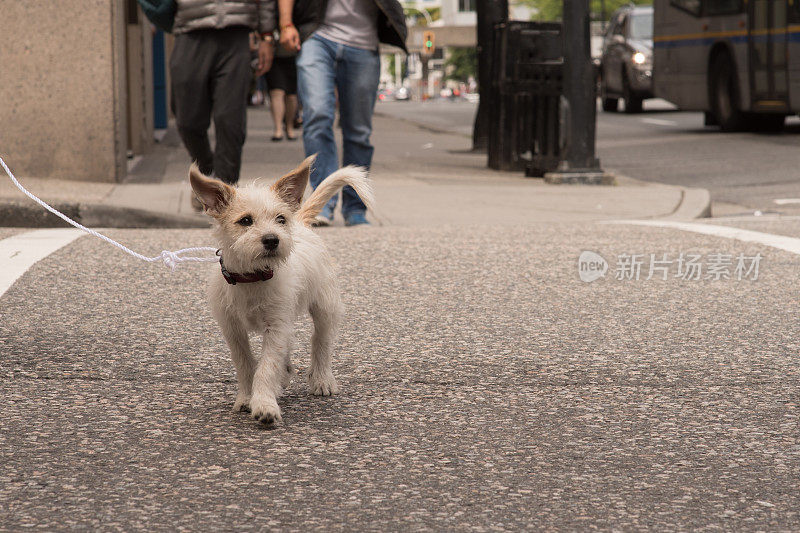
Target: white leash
{"type": "Point", "coordinates": [171, 259]}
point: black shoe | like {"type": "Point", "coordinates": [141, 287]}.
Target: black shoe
{"type": "Point", "coordinates": [277, 139]}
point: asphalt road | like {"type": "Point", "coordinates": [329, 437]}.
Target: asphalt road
{"type": "Point", "coordinates": [744, 172]}
{"type": "Point", "coordinates": [446, 115]}
{"type": "Point", "coordinates": [485, 387]}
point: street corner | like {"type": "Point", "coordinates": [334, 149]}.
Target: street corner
{"type": "Point", "coordinates": [691, 202]}
{"type": "Point", "coordinates": [695, 204]}
{"type": "Point", "coordinates": [494, 353]}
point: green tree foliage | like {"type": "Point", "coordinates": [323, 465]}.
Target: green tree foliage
{"type": "Point", "coordinates": [551, 9]}
{"type": "Point", "coordinates": [461, 63]}
{"type": "Point", "coordinates": [412, 11]}
{"type": "Point", "coordinates": [403, 67]}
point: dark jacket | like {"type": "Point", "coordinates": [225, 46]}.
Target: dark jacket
{"type": "Point", "coordinates": [308, 14]}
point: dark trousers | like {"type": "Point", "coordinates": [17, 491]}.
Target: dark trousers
{"type": "Point", "coordinates": [211, 74]}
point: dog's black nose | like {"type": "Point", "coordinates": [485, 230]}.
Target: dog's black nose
{"type": "Point", "coordinates": [270, 242]}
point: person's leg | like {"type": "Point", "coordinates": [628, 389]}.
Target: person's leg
{"type": "Point", "coordinates": [291, 109]}
{"type": "Point", "coordinates": [316, 65]}
{"type": "Point", "coordinates": [261, 89]}
{"type": "Point", "coordinates": [230, 85]}
{"type": "Point", "coordinates": [357, 81]}
{"type": "Point", "coordinates": [276, 105]}
{"type": "Point", "coordinates": [298, 116]}
{"type": "Point", "coordinates": [190, 67]}
{"type": "Point", "coordinates": [290, 79]}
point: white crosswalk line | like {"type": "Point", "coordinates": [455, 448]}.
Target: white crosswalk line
{"type": "Point", "coordinates": [659, 122]}
{"type": "Point", "coordinates": [20, 252]}
{"type": "Point", "coordinates": [781, 242]}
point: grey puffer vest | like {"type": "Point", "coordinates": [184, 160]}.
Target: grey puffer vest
{"type": "Point", "coordinates": [216, 14]}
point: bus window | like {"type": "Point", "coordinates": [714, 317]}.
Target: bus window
{"type": "Point", "coordinates": [692, 6]}
{"type": "Point", "coordinates": [722, 7]}
{"type": "Point", "coordinates": [794, 10]}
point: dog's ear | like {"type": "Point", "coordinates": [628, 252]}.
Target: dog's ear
{"type": "Point", "coordinates": [212, 193]}
{"type": "Point", "coordinates": [292, 186]}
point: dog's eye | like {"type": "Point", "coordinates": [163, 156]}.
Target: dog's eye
{"type": "Point", "coordinates": [280, 219]}
{"type": "Point", "coordinates": [246, 220]}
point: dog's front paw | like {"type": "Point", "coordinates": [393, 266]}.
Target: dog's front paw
{"type": "Point", "coordinates": [242, 402]}
{"type": "Point", "coordinates": [324, 385]}
{"type": "Point", "coordinates": [265, 410]}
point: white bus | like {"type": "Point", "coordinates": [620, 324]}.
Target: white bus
{"type": "Point", "coordinates": [737, 60]}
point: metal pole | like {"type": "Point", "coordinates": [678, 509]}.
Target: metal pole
{"type": "Point", "coordinates": [578, 164]}
{"type": "Point", "coordinates": [489, 13]}
{"type": "Point", "coordinates": [603, 14]}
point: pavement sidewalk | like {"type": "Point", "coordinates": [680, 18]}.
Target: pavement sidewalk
{"type": "Point", "coordinates": [421, 177]}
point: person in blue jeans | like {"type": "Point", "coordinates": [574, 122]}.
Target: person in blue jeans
{"type": "Point", "coordinates": [337, 41]}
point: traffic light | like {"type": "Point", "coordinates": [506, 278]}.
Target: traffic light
{"type": "Point", "coordinates": [427, 42]}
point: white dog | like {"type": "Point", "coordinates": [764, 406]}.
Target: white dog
{"type": "Point", "coordinates": [273, 267]}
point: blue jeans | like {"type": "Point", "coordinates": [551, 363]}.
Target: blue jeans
{"type": "Point", "coordinates": [324, 67]}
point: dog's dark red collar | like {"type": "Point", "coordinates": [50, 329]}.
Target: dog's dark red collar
{"type": "Point", "coordinates": [251, 277]}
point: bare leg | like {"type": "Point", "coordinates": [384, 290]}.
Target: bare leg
{"type": "Point", "coordinates": [276, 105]}
{"type": "Point", "coordinates": [291, 109]}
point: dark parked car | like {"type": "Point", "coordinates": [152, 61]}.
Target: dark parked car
{"type": "Point", "coordinates": [626, 66]}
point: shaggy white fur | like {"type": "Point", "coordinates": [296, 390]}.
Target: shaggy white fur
{"type": "Point", "coordinates": [267, 228]}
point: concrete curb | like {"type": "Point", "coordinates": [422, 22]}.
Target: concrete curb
{"type": "Point", "coordinates": [695, 203]}
{"type": "Point", "coordinates": [17, 215]}
{"type": "Point", "coordinates": [581, 178]}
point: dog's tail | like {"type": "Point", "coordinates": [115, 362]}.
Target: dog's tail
{"type": "Point", "coordinates": [356, 177]}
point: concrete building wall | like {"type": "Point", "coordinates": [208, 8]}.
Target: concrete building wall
{"type": "Point", "coordinates": [63, 88]}
{"type": "Point", "coordinates": [456, 13]}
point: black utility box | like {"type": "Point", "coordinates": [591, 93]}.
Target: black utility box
{"type": "Point", "coordinates": [525, 97]}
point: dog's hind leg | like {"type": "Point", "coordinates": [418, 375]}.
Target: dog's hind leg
{"type": "Point", "coordinates": [239, 344]}
{"type": "Point", "coordinates": [326, 313]}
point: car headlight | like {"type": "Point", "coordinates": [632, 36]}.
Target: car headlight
{"type": "Point", "coordinates": [639, 58]}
